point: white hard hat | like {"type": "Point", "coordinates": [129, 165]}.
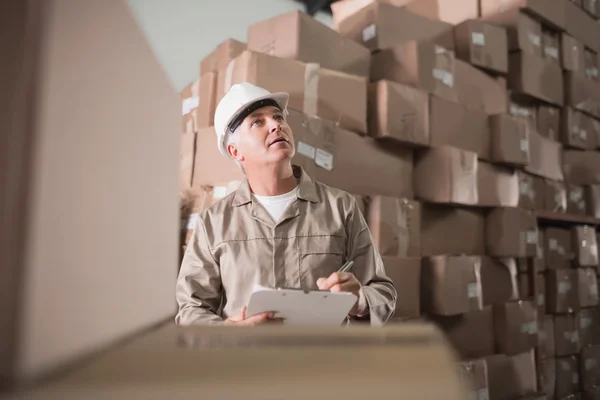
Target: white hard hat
{"type": "Point", "coordinates": [241, 100]}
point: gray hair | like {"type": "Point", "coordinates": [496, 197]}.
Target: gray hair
{"type": "Point", "coordinates": [232, 138]}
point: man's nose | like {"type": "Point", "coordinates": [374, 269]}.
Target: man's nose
{"type": "Point", "coordinates": [275, 126]}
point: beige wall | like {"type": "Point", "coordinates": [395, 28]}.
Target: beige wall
{"type": "Point", "coordinates": [101, 244]}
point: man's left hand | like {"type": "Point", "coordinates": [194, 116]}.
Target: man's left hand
{"type": "Point", "coordinates": [342, 282]}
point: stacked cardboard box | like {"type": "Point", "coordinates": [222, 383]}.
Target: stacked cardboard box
{"type": "Point", "coordinates": [453, 122]}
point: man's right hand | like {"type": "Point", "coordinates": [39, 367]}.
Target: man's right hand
{"type": "Point", "coordinates": [257, 319]}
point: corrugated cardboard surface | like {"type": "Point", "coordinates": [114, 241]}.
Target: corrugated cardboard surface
{"type": "Point", "coordinates": [592, 394]}
{"type": "Point", "coordinates": [547, 376]}
{"type": "Point", "coordinates": [511, 232]}
{"type": "Point", "coordinates": [479, 91]}
{"type": "Point", "coordinates": [498, 280]}
{"type": "Point", "coordinates": [568, 380]}
{"type": "Point", "coordinates": [205, 112]}
{"type": "Point", "coordinates": [589, 366]}
{"type": "Point", "coordinates": [328, 154]}
{"type": "Point", "coordinates": [592, 7]}
{"type": "Point", "coordinates": [343, 9]}
{"type": "Point", "coordinates": [395, 226]}
{"type": "Point", "coordinates": [511, 377]}
{"type": "Point", "coordinates": [545, 157]}
{"type": "Point", "coordinates": [581, 167]}
{"type": "Point", "coordinates": [422, 65]}
{"type": "Point", "coordinates": [582, 26]}
{"type": "Point", "coordinates": [531, 191]}
{"type": "Point", "coordinates": [482, 44]}
{"type": "Point", "coordinates": [451, 11]}
{"type": "Point", "coordinates": [470, 334]}
{"type": "Point", "coordinates": [552, 13]}
{"type": "Point", "coordinates": [510, 140]}
{"type": "Point", "coordinates": [548, 121]}
{"type": "Point", "coordinates": [497, 186]}
{"type": "Point", "coordinates": [210, 166]}
{"type": "Point", "coordinates": [298, 36]}
{"type": "Point", "coordinates": [515, 327]}
{"type": "Point", "coordinates": [593, 200]}
{"type": "Point", "coordinates": [446, 175]}
{"type": "Point", "coordinates": [186, 159]}
{"type": "Point", "coordinates": [547, 346]}
{"type": "Point", "coordinates": [551, 45]}
{"type": "Point", "coordinates": [575, 200]}
{"type": "Point", "coordinates": [589, 327]}
{"type": "Point", "coordinates": [221, 55]}
{"type": "Point", "coordinates": [454, 125]}
{"type": "Point", "coordinates": [398, 112]}
{"type": "Point", "coordinates": [579, 130]}
{"type": "Point", "coordinates": [582, 93]}
{"type": "Point", "coordinates": [562, 291]}
{"type": "Point", "coordinates": [572, 53]}
{"type": "Point", "coordinates": [439, 225]}
{"type": "Point", "coordinates": [590, 64]}
{"type": "Point", "coordinates": [555, 196]}
{"type": "Point", "coordinates": [584, 246]}
{"type": "Point", "coordinates": [474, 374]}
{"type": "Point", "coordinates": [524, 110]}
{"type": "Point", "coordinates": [406, 275]}
{"type": "Point", "coordinates": [536, 77]}
{"type": "Point", "coordinates": [558, 248]}
{"type": "Point", "coordinates": [381, 25]}
{"type": "Point", "coordinates": [524, 32]}
{"type": "Point", "coordinates": [451, 285]}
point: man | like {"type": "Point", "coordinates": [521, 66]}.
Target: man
{"type": "Point", "coordinates": [279, 229]}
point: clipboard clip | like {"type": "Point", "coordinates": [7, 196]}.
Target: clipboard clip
{"type": "Point", "coordinates": [306, 291]}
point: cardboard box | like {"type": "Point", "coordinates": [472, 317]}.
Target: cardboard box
{"type": "Point", "coordinates": [454, 125]}
{"type": "Point", "coordinates": [524, 33]}
{"type": "Point", "coordinates": [343, 9]}
{"type": "Point", "coordinates": [547, 346]}
{"type": "Point", "coordinates": [439, 224]}
{"type": "Point", "coordinates": [398, 112]}
{"type": "Point", "coordinates": [331, 95]}
{"type": "Point", "coordinates": [515, 327]}
{"type": "Point", "coordinates": [575, 200]}
{"type": "Point", "coordinates": [578, 2]}
{"type": "Point", "coordinates": [299, 36]}
{"type": "Point", "coordinates": [562, 291]}
{"type": "Point", "coordinates": [548, 121]}
{"type": "Point", "coordinates": [566, 335]}
{"type": "Point", "coordinates": [579, 130]}
{"type": "Point", "coordinates": [511, 377]}
{"type": "Point", "coordinates": [589, 327]}
{"type": "Point", "coordinates": [584, 245]}
{"type": "Point", "coordinates": [572, 51]}
{"type": "Point", "coordinates": [511, 232]}
{"type": "Point", "coordinates": [582, 93]}
{"type": "Point", "coordinates": [567, 376]}
{"type": "Point", "coordinates": [328, 154]}
{"type": "Point", "coordinates": [422, 65]}
{"type": "Point", "coordinates": [592, 7]}
{"type": "Point", "coordinates": [187, 144]}
{"type": "Point", "coordinates": [207, 105]}
{"type": "Point", "coordinates": [551, 45]}
{"type": "Point", "coordinates": [473, 374]}
{"type": "Point", "coordinates": [588, 287]}
{"type": "Point", "coordinates": [479, 91]}
{"type": "Point", "coordinates": [210, 166]}
{"type": "Point", "coordinates": [536, 77]}
{"type": "Point", "coordinates": [590, 60]}
{"type": "Point", "coordinates": [558, 248]}
{"type": "Point", "coordinates": [395, 226]}
{"type": "Point", "coordinates": [544, 157]}
{"type": "Point", "coordinates": [498, 280]}
{"type": "Point", "coordinates": [221, 55]}
{"type": "Point", "coordinates": [189, 102]}
{"type": "Point", "coordinates": [451, 285]}
{"type": "Point", "coordinates": [555, 196]}
{"type": "Point", "coordinates": [592, 394]}
{"type": "Point", "coordinates": [405, 273]}
{"type": "Point", "coordinates": [553, 14]}
{"type": "Point", "coordinates": [539, 292]}
{"type": "Point", "coordinates": [583, 27]}
{"type": "Point", "coordinates": [546, 369]}
{"type": "Point", "coordinates": [581, 167]}
{"type": "Point", "coordinates": [531, 265]}
{"type": "Point", "coordinates": [522, 110]}
{"type": "Point", "coordinates": [449, 11]}
{"type": "Point", "coordinates": [482, 44]}
{"type": "Point", "coordinates": [380, 25]}
{"type": "Point", "coordinates": [589, 367]}
{"type": "Point", "coordinates": [592, 198]}
{"type": "Point", "coordinates": [496, 186]}
{"type": "Point", "coordinates": [531, 191]}
{"type": "Point", "coordinates": [446, 175]}
{"type": "Point", "coordinates": [471, 334]}
{"type": "Point", "coordinates": [510, 140]}
{"type": "Point", "coordinates": [541, 248]}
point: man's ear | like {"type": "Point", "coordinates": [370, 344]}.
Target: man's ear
{"type": "Point", "coordinates": [234, 152]}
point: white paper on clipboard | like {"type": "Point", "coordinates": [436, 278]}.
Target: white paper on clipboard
{"type": "Point", "coordinates": [297, 307]}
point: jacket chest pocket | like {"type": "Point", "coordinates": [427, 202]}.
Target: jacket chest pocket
{"type": "Point", "coordinates": [320, 256]}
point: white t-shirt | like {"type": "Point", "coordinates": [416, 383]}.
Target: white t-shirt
{"type": "Point", "coordinates": [276, 205]}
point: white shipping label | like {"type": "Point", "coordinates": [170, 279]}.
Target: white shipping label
{"type": "Point", "coordinates": [189, 104]}
{"type": "Point", "coordinates": [525, 145]}
{"type": "Point", "coordinates": [585, 323]}
{"type": "Point", "coordinates": [478, 39]}
{"type": "Point", "coordinates": [551, 52]}
{"type": "Point", "coordinates": [594, 249]}
{"type": "Point", "coordinates": [575, 378]}
{"type": "Point", "coordinates": [590, 363]}
{"type": "Point", "coordinates": [524, 187]}
{"type": "Point", "coordinates": [306, 150]}
{"type": "Point", "coordinates": [594, 289]}
{"type": "Point", "coordinates": [532, 237]}
{"type": "Point", "coordinates": [530, 328]}
{"type": "Point", "coordinates": [483, 394]}
{"type": "Point", "coordinates": [324, 159]}
{"type": "Point", "coordinates": [553, 243]}
{"type": "Point", "coordinates": [443, 76]}
{"type": "Point", "coordinates": [536, 40]}
{"type": "Point", "coordinates": [191, 223]}
{"type": "Point", "coordinates": [575, 336]}
{"type": "Point", "coordinates": [473, 290]}
{"type": "Point", "coordinates": [564, 287]}
{"type": "Point", "coordinates": [541, 300]}
{"type": "Point", "coordinates": [369, 33]}
{"type": "Point", "coordinates": [583, 134]}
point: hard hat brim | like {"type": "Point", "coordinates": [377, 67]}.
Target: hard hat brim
{"type": "Point", "coordinates": [280, 98]}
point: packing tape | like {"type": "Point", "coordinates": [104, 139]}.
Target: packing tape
{"type": "Point", "coordinates": [311, 89]}
{"type": "Point", "coordinates": [511, 266]}
{"type": "Point", "coordinates": [477, 270]}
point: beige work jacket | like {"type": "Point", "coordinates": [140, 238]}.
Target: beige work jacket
{"type": "Point", "coordinates": [236, 244]}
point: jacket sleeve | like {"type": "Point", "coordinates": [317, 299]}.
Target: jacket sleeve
{"type": "Point", "coordinates": [198, 291]}
{"type": "Point", "coordinates": [378, 289]}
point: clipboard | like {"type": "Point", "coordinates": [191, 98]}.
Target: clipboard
{"type": "Point", "coordinates": [299, 307]}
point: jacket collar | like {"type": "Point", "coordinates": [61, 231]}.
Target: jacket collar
{"type": "Point", "coordinates": [306, 189]}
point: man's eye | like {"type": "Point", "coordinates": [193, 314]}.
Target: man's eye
{"type": "Point", "coordinates": [279, 117]}
{"type": "Point", "coordinates": [256, 122]}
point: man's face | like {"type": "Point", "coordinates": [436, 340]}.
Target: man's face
{"type": "Point", "coordinates": [264, 137]}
